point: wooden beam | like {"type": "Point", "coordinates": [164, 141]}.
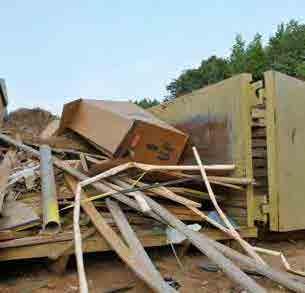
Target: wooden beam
{"type": "Point", "coordinates": [116, 242]}
{"type": "Point", "coordinates": [135, 245]}
{"type": "Point", "coordinates": [97, 243]}
{"type": "Point", "coordinates": [204, 245]}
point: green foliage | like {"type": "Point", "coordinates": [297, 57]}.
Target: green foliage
{"type": "Point", "coordinates": [256, 58]}
{"type": "Point", "coordinates": [238, 56]}
{"type": "Point", "coordinates": [210, 71]}
{"type": "Point", "coordinates": [286, 49]}
{"type": "Point", "coordinates": [146, 103]}
{"type": "Point", "coordinates": [284, 52]}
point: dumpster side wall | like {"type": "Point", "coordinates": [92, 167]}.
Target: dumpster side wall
{"type": "Point", "coordinates": [286, 156]}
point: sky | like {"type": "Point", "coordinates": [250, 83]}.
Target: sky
{"type": "Point", "coordinates": [52, 52]}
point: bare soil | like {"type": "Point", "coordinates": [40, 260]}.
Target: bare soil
{"type": "Point", "coordinates": [106, 273]}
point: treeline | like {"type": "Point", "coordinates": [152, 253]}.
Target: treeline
{"type": "Point", "coordinates": [284, 52]}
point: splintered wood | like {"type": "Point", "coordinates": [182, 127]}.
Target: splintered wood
{"type": "Point", "coordinates": [119, 209]}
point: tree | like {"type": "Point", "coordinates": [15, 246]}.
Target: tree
{"type": "Point", "coordinates": [238, 56]}
{"type": "Point", "coordinates": [256, 61]}
{"type": "Point", "coordinates": [146, 103]}
{"type": "Point", "coordinates": [210, 71]}
{"type": "Point", "coordinates": [284, 52]}
{"type": "Point", "coordinates": [286, 49]}
{"type": "Point", "coordinates": [214, 69]}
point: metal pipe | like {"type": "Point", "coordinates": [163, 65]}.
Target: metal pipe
{"type": "Point", "coordinates": [51, 220]}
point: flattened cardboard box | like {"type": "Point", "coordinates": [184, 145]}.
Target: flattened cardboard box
{"type": "Point", "coordinates": [122, 129]}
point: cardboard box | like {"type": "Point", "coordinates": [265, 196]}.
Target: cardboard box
{"type": "Point", "coordinates": [3, 100]}
{"type": "Point", "coordinates": [122, 129]}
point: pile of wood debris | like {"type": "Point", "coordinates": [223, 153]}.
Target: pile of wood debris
{"type": "Point", "coordinates": [60, 194]}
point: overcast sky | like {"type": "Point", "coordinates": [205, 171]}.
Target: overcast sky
{"type": "Point", "coordinates": [54, 51]}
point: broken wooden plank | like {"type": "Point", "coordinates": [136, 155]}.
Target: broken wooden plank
{"type": "Point", "coordinates": [115, 241]}
{"type": "Point", "coordinates": [136, 246]}
{"type": "Point", "coordinates": [138, 195]}
{"type": "Point", "coordinates": [17, 214]}
{"type": "Point", "coordinates": [204, 245]}
{"type": "Point", "coordinates": [162, 191]}
{"type": "Point", "coordinates": [34, 240]}
{"type": "Point", "coordinates": [68, 247]}
{"type": "Point", "coordinates": [83, 162]}
{"type": "Point", "coordinates": [5, 170]}
{"type": "Point", "coordinates": [247, 247]}
{"type": "Point", "coordinates": [50, 129]}
{"type": "Point", "coordinates": [278, 276]}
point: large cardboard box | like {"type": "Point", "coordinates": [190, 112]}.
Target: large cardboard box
{"type": "Point", "coordinates": [122, 129]}
{"type": "Point", "coordinates": [3, 100]}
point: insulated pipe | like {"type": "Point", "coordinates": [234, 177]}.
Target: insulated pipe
{"type": "Point", "coordinates": [51, 221]}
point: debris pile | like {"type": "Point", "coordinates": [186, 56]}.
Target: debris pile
{"type": "Point", "coordinates": [107, 176]}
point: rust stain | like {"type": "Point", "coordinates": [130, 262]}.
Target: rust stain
{"type": "Point", "coordinates": [211, 136]}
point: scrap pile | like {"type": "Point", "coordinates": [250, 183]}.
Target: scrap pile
{"type": "Point", "coordinates": [106, 176]}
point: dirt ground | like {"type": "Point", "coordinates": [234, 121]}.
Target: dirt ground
{"type": "Point", "coordinates": [106, 273]}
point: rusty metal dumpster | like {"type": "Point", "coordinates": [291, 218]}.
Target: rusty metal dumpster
{"type": "Point", "coordinates": [258, 126]}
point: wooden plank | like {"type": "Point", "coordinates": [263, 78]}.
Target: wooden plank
{"type": "Point", "coordinates": [115, 241]}
{"type": "Point", "coordinates": [50, 129]}
{"type": "Point", "coordinates": [255, 124]}
{"type": "Point", "coordinates": [258, 142]}
{"type": "Point", "coordinates": [34, 240]}
{"type": "Point", "coordinates": [258, 113]}
{"type": "Point", "coordinates": [205, 245]}
{"type": "Point", "coordinates": [17, 215]}
{"type": "Point", "coordinates": [259, 132]}
{"type": "Point", "coordinates": [162, 191]}
{"type": "Point", "coordinates": [259, 162]}
{"type": "Point", "coordinates": [280, 277]}
{"type": "Point", "coordinates": [259, 153]}
{"type": "Point", "coordinates": [5, 170]}
{"type": "Point", "coordinates": [260, 172]}
{"type": "Point", "coordinates": [97, 243]}
{"type": "Point", "coordinates": [136, 246]}
{"type": "Point", "coordinates": [259, 121]}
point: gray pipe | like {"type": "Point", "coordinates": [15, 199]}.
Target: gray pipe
{"type": "Point", "coordinates": [51, 221]}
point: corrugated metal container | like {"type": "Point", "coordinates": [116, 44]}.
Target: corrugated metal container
{"type": "Point", "coordinates": [259, 127]}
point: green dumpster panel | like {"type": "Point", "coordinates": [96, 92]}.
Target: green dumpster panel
{"type": "Point", "coordinates": [285, 97]}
